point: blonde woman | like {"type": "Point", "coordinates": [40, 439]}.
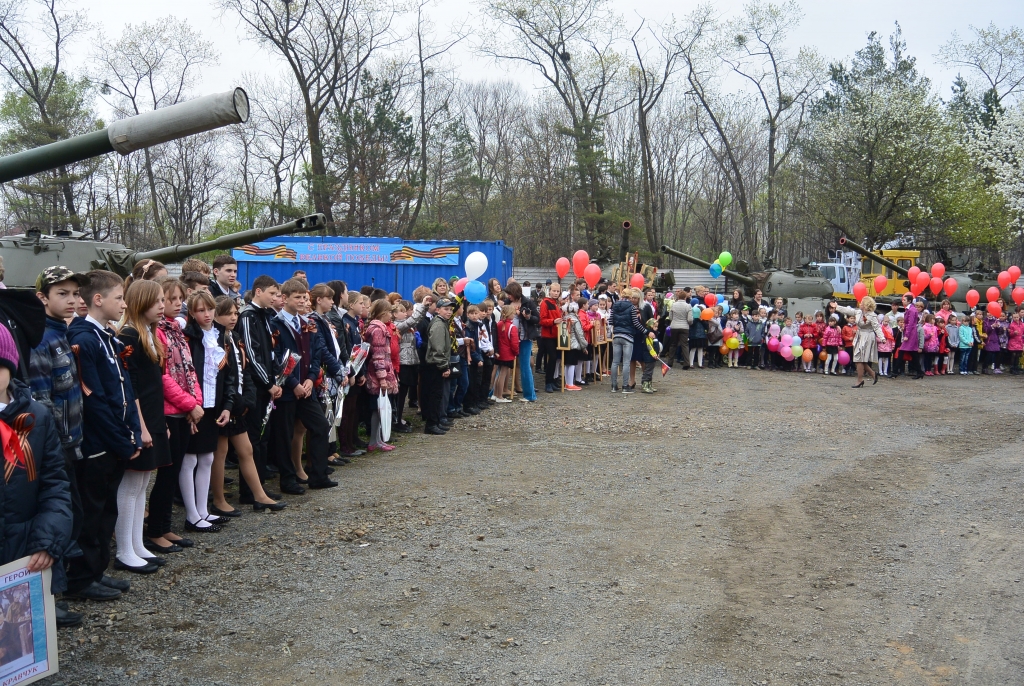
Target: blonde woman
{"type": "Point", "coordinates": [865, 343]}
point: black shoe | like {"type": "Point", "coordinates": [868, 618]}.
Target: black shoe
{"type": "Point", "coordinates": [272, 495]}
{"type": "Point", "coordinates": [472, 411]}
{"type": "Point", "coordinates": [414, 405]}
{"type": "Point", "coordinates": [228, 480]}
{"type": "Point", "coordinates": [65, 617]}
{"type": "Point", "coordinates": [147, 568]}
{"type": "Point", "coordinates": [217, 520]}
{"type": "Point", "coordinates": [271, 469]}
{"type": "Point", "coordinates": [122, 585]}
{"type": "Point", "coordinates": [549, 388]}
{"type": "Point", "coordinates": [95, 591]}
{"type": "Point", "coordinates": [326, 483]}
{"type": "Point", "coordinates": [273, 507]}
{"type": "Point", "coordinates": [158, 561]}
{"type": "Point", "coordinates": [222, 513]}
{"type": "Point", "coordinates": [434, 430]}
{"type": "Point", "coordinates": [184, 542]}
{"type": "Point", "coordinates": [330, 470]}
{"type": "Point", "coordinates": [292, 489]}
{"type": "Point", "coordinates": [354, 453]}
{"type": "Point", "coordinates": [301, 481]}
{"type": "Point", "coordinates": [338, 461]}
{"type": "Point", "coordinates": [406, 428]}
{"type": "Point", "coordinates": [212, 529]}
{"type": "Point", "coordinates": [446, 422]}
{"type": "Point", "coordinates": [359, 443]}
{"type": "Point", "coordinates": [172, 548]}
{"type": "Point", "coordinates": [875, 380]}
{"type": "Point", "coordinates": [860, 385]}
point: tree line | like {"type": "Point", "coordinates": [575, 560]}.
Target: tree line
{"type": "Point", "coordinates": [708, 132]}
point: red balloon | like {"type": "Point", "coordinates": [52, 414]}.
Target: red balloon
{"type": "Point", "coordinates": [592, 274]}
{"type": "Point", "coordinates": [949, 286]}
{"type": "Point", "coordinates": [880, 283]}
{"type": "Point", "coordinates": [938, 270]}
{"type": "Point", "coordinates": [972, 298]}
{"type": "Point", "coordinates": [1004, 279]}
{"type": "Point", "coordinates": [710, 300]}
{"type": "Point", "coordinates": [1014, 273]}
{"type": "Point", "coordinates": [994, 309]}
{"type": "Point", "coordinates": [1018, 295]}
{"type": "Point", "coordinates": [580, 260]}
{"type": "Point", "coordinates": [636, 281]}
{"type": "Point", "coordinates": [923, 280]}
{"type": "Point", "coordinates": [935, 285]}
{"type": "Point", "coordinates": [859, 291]}
{"type": "Point", "coordinates": [460, 285]}
{"type": "Point", "coordinates": [917, 289]}
{"type": "Point", "coordinates": [912, 273]}
{"type": "Point", "coordinates": [992, 294]}
{"type": "Point", "coordinates": [562, 267]}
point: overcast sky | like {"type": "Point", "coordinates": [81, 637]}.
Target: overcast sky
{"type": "Point", "coordinates": [836, 29]}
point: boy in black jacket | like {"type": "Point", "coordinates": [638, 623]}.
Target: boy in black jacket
{"type": "Point", "coordinates": [298, 401]}
{"type": "Point", "coordinates": [111, 433]}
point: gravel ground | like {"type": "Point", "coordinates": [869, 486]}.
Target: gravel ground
{"type": "Point", "coordinates": [736, 528]}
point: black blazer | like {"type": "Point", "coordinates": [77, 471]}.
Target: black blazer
{"type": "Point", "coordinates": [227, 376]}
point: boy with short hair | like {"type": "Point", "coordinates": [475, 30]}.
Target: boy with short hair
{"type": "Point", "coordinates": [754, 330]}
{"type": "Point", "coordinates": [111, 433]}
{"type": "Point", "coordinates": [225, 277]}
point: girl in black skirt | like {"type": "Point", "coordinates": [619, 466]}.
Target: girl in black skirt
{"type": "Point", "coordinates": [143, 358]}
{"type": "Point", "coordinates": [225, 318]}
{"type": "Point", "coordinates": [219, 384]}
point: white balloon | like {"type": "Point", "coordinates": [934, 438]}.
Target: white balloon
{"type": "Point", "coordinates": [476, 265]}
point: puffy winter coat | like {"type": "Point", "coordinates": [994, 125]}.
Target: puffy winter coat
{"type": "Point", "coordinates": [507, 341]}
{"type": "Point", "coordinates": [379, 365]}
{"type": "Point", "coordinates": [35, 501]}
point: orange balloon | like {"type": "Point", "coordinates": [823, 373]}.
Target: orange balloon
{"type": "Point", "coordinates": [724, 350]}
{"type": "Point", "coordinates": [707, 314]}
{"type": "Point", "coordinates": [808, 355]}
{"type": "Point", "coordinates": [823, 356]}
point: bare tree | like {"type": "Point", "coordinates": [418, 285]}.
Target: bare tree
{"type": "Point", "coordinates": [149, 67]}
{"type": "Point", "coordinates": [326, 44]}
{"type": "Point", "coordinates": [38, 74]}
{"type": "Point", "coordinates": [995, 56]}
{"type": "Point", "coordinates": [571, 45]}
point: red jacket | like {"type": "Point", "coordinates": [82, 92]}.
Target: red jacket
{"type": "Point", "coordinates": [808, 335]}
{"type": "Point", "coordinates": [549, 312]}
{"type": "Point", "coordinates": [507, 343]}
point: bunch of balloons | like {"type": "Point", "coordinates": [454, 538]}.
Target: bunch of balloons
{"type": "Point", "coordinates": [581, 268]}
{"type": "Point", "coordinates": [720, 265]}
{"type": "Point", "coordinates": [468, 286]}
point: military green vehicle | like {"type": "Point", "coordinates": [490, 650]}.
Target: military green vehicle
{"type": "Point", "coordinates": [978, 279]}
{"type": "Point", "coordinates": [802, 289]}
{"type": "Point", "coordinates": [26, 255]}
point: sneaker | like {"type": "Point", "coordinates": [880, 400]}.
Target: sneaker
{"type": "Point", "coordinates": [502, 400]}
{"type": "Point", "coordinates": [573, 388]}
{"type": "Point", "coordinates": [614, 389]}
{"type": "Point", "coordinates": [626, 390]}
{"type": "Point", "coordinates": [997, 371]}
{"type": "Point", "coordinates": [646, 388]}
{"type": "Point", "coordinates": [524, 400]}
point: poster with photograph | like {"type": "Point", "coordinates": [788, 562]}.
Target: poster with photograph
{"type": "Point", "coordinates": [600, 331]}
{"type": "Point", "coordinates": [563, 336]}
{"type": "Point", "coordinates": [28, 626]}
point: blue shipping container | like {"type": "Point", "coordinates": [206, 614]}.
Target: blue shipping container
{"type": "Point", "coordinates": [392, 264]}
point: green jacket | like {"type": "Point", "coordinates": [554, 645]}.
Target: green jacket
{"type": "Point", "coordinates": [439, 344]}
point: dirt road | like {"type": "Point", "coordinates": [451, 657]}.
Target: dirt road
{"type": "Point", "coordinates": [736, 528]}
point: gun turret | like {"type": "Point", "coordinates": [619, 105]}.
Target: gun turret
{"type": "Point", "coordinates": [736, 276]}
{"type": "Point", "coordinates": [133, 133]}
{"type": "Point", "coordinates": [864, 252]}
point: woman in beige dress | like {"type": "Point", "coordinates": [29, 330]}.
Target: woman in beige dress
{"type": "Point", "coordinates": [865, 343]}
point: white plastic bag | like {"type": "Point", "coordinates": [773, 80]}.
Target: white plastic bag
{"type": "Point", "coordinates": [384, 408]}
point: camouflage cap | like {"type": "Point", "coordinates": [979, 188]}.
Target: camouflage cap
{"type": "Point", "coordinates": [445, 302]}
{"type": "Point", "coordinates": [56, 274]}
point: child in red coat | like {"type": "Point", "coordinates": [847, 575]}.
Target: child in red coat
{"type": "Point", "coordinates": [506, 350]}
{"type": "Point", "coordinates": [808, 340]}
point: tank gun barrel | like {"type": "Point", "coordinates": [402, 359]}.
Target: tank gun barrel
{"type": "Point", "coordinates": [864, 252]}
{"type": "Point", "coordinates": [177, 253]}
{"type": "Point", "coordinates": [133, 133]}
{"type": "Point", "coordinates": [742, 278]}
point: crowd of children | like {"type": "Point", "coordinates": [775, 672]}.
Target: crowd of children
{"type": "Point", "coordinates": [177, 376]}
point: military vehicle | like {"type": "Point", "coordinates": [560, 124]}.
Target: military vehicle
{"type": "Point", "coordinates": [802, 289]}
{"type": "Point", "coordinates": [874, 261]}
{"type": "Point", "coordinates": [26, 255]}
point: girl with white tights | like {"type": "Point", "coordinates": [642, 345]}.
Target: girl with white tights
{"type": "Point", "coordinates": [143, 354]}
{"type": "Point", "coordinates": [220, 382]}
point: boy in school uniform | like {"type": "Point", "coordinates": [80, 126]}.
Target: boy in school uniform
{"type": "Point", "coordinates": [298, 401]}
{"type": "Point", "coordinates": [111, 434]}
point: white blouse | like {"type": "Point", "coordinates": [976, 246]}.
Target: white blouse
{"type": "Point", "coordinates": [211, 365]}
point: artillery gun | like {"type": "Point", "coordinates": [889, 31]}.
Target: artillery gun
{"type": "Point", "coordinates": [801, 289]}
{"type": "Point", "coordinates": [980, 281]}
{"type": "Point", "coordinates": [26, 255]}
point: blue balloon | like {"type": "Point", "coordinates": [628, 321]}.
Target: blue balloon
{"type": "Point", "coordinates": [694, 302]}
{"type": "Point", "coordinates": [725, 307]}
{"type": "Point", "coordinates": [475, 292]}
{"type": "Point", "coordinates": [716, 270]}
{"type": "Point", "coordinates": [721, 298]}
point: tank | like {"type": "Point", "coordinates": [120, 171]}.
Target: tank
{"type": "Point", "coordinates": [980, 281]}
{"type": "Point", "coordinates": [26, 255]}
{"type": "Point", "coordinates": [773, 283]}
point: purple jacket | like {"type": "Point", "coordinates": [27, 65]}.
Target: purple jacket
{"type": "Point", "coordinates": [910, 342]}
{"type": "Point", "coordinates": [992, 326]}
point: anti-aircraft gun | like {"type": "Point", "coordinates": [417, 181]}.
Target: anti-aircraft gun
{"type": "Point", "coordinates": [801, 288]}
{"type": "Point", "coordinates": [26, 255]}
{"type": "Point", "coordinates": [978, 280]}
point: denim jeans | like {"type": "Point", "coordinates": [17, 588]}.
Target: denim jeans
{"type": "Point", "coordinates": [622, 353]}
{"type": "Point", "coordinates": [526, 370]}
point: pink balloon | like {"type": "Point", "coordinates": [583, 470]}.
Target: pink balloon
{"type": "Point", "coordinates": [787, 341]}
{"type": "Point", "coordinates": [460, 285]}
{"type": "Point", "coordinates": [844, 358]}
{"type": "Point", "coordinates": [773, 344]}
{"type": "Point", "coordinates": [774, 330]}
{"type": "Point", "coordinates": [787, 353]}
